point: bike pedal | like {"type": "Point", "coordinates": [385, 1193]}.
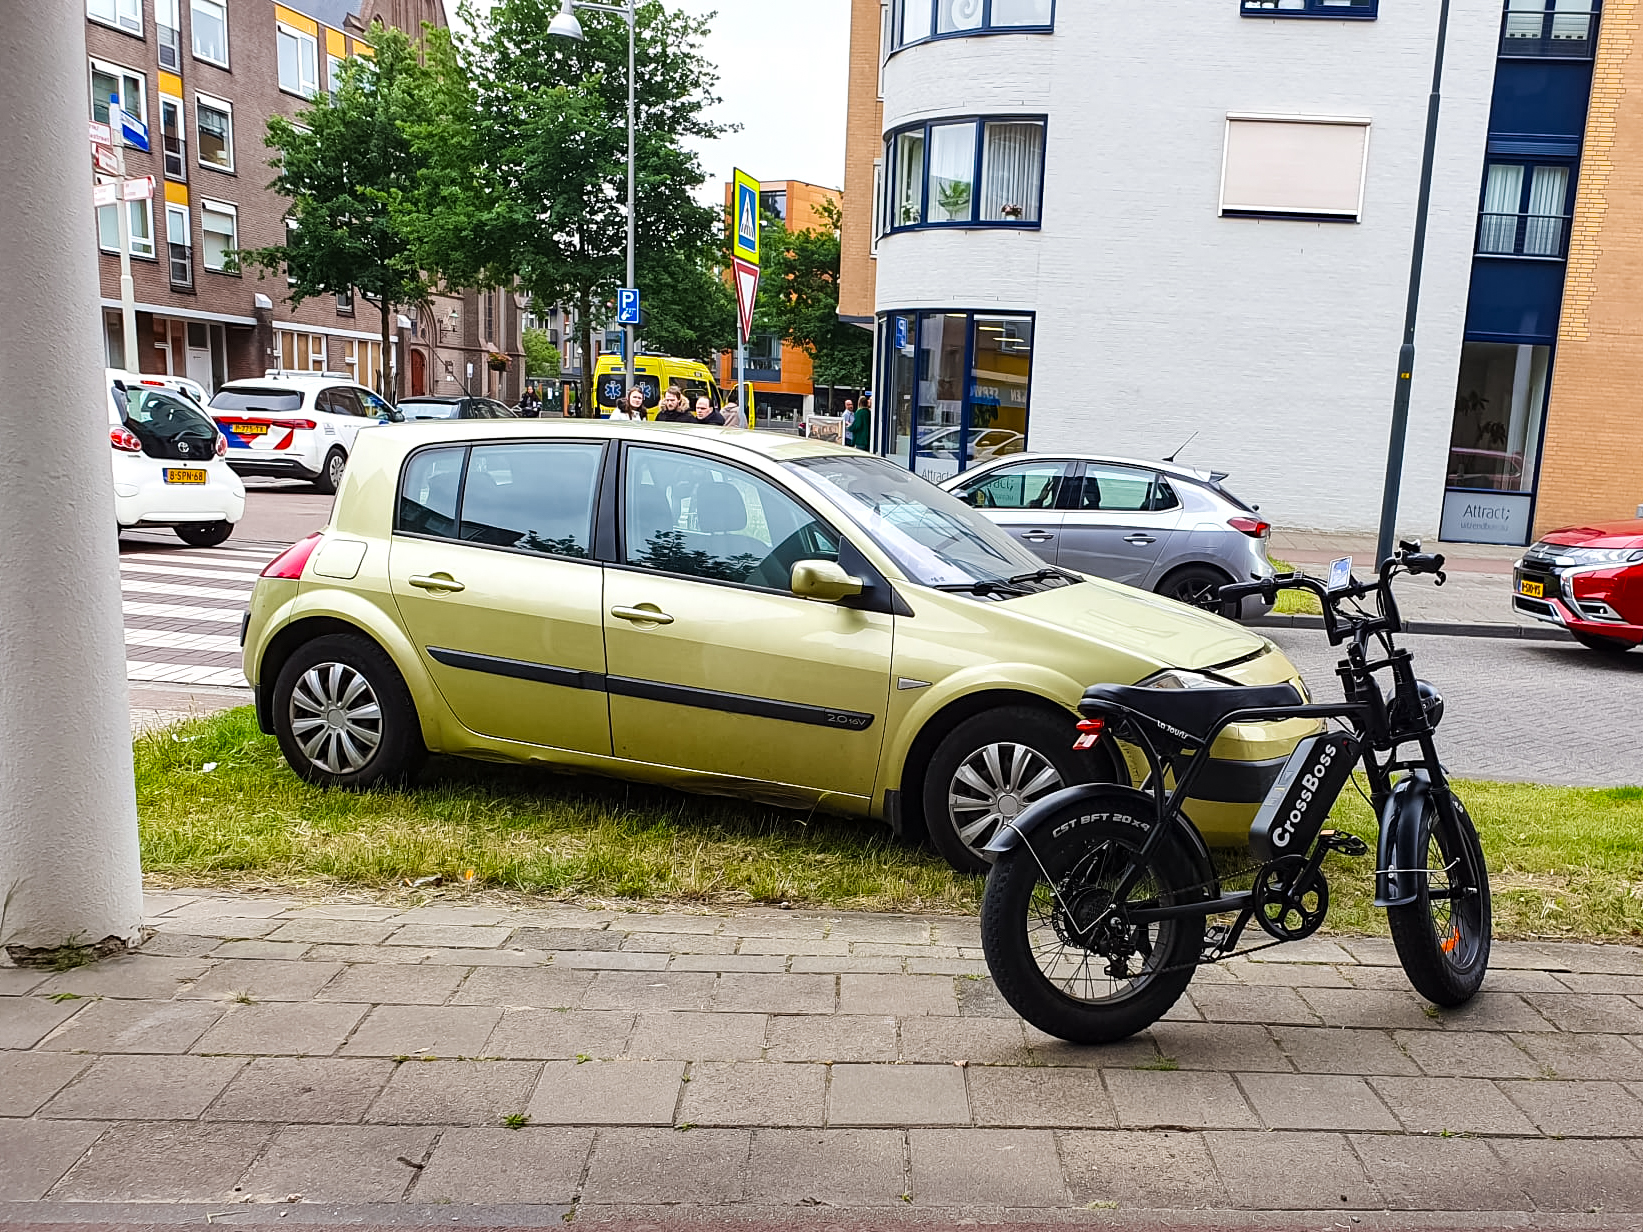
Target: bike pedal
{"type": "Point", "coordinates": [1215, 941]}
{"type": "Point", "coordinates": [1346, 844]}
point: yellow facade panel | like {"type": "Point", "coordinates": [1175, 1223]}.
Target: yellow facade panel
{"type": "Point", "coordinates": [171, 84]}
{"type": "Point", "coordinates": [296, 20]}
{"type": "Point", "coordinates": [335, 44]}
{"type": "Point", "coordinates": [176, 194]}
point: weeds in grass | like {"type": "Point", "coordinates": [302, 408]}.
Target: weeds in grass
{"type": "Point", "coordinates": [243, 998]}
{"type": "Point", "coordinates": [516, 1120]}
{"type": "Point", "coordinates": [1166, 1064]}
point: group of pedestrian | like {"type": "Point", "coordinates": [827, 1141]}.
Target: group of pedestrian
{"type": "Point", "coordinates": [676, 407]}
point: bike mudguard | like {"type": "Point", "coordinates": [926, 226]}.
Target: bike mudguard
{"type": "Point", "coordinates": [1401, 860]}
{"type": "Point", "coordinates": [1054, 806]}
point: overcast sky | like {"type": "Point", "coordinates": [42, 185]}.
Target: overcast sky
{"type": "Point", "coordinates": [783, 68]}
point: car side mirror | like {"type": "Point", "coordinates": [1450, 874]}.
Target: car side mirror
{"type": "Point", "coordinates": [825, 581]}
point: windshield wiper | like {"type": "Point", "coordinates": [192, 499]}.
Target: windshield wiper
{"type": "Point", "coordinates": [1050, 573]}
{"type": "Point", "coordinates": [983, 588]}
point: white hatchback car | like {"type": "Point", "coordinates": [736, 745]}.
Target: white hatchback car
{"type": "Point", "coordinates": [169, 467]}
{"type": "Point", "coordinates": [296, 425]}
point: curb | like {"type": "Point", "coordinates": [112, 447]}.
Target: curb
{"type": "Point", "coordinates": [1435, 628]}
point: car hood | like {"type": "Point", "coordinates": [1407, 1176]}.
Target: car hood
{"type": "Point", "coordinates": [1137, 623]}
{"type": "Point", "coordinates": [1601, 535]}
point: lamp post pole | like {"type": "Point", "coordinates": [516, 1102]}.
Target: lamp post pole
{"type": "Point", "coordinates": [1406, 355]}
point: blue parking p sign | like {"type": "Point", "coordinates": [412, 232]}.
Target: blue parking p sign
{"type": "Point", "coordinates": [627, 306]}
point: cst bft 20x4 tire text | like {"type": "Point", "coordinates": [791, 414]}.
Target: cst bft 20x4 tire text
{"type": "Point", "coordinates": [343, 715]}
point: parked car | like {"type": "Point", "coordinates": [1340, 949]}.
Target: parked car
{"type": "Point", "coordinates": [296, 425]}
{"type": "Point", "coordinates": [430, 407]}
{"type": "Point", "coordinates": [177, 384]}
{"type": "Point", "coordinates": [749, 614]}
{"type": "Point", "coordinates": [1153, 525]}
{"type": "Point", "coordinates": [168, 464]}
{"type": "Point", "coordinates": [1589, 580]}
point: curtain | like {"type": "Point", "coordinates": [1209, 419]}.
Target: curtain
{"type": "Point", "coordinates": [906, 205]}
{"type": "Point", "coordinates": [1543, 232]}
{"type": "Point", "coordinates": [1502, 198]}
{"type": "Point", "coordinates": [1012, 172]}
{"type": "Point", "coordinates": [952, 172]}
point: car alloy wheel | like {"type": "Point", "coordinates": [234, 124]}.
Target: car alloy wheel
{"type": "Point", "coordinates": [994, 785]}
{"type": "Point", "coordinates": [335, 465]}
{"type": "Point", "coordinates": [335, 718]}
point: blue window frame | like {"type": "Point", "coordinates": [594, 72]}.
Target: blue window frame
{"type": "Point", "coordinates": [1525, 210]}
{"type": "Point", "coordinates": [917, 21]}
{"type": "Point", "coordinates": [969, 171]}
{"type": "Point", "coordinates": [1337, 10]}
{"type": "Point", "coordinates": [1549, 29]}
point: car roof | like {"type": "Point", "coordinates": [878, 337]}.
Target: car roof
{"type": "Point", "coordinates": [1168, 468]}
{"type": "Point", "coordinates": [776, 446]}
{"type": "Point", "coordinates": [295, 382]}
{"type": "Point", "coordinates": [439, 398]}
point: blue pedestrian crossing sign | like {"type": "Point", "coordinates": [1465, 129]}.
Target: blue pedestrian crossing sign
{"type": "Point", "coordinates": [627, 306]}
{"type": "Point", "coordinates": [744, 223]}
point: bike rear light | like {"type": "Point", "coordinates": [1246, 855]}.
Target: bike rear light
{"type": "Point", "coordinates": [125, 440]}
{"type": "Point", "coordinates": [1089, 732]}
{"type": "Point", "coordinates": [1253, 527]}
{"type": "Point", "coordinates": [289, 564]}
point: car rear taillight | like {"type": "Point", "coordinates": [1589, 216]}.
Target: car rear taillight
{"type": "Point", "coordinates": [222, 445]}
{"type": "Point", "coordinates": [125, 440]}
{"type": "Point", "coordinates": [289, 564]}
{"type": "Point", "coordinates": [1253, 527]}
{"type": "Point", "coordinates": [299, 425]}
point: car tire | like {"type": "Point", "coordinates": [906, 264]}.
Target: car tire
{"type": "Point", "coordinates": [1197, 586]}
{"type": "Point", "coordinates": [1603, 645]}
{"type": "Point", "coordinates": [330, 474]}
{"type": "Point", "coordinates": [204, 534]}
{"type": "Point", "coordinates": [1005, 758]}
{"type": "Point", "coordinates": [375, 739]}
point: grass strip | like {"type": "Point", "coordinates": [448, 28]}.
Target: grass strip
{"type": "Point", "coordinates": [1294, 602]}
{"type": "Point", "coordinates": [1565, 862]}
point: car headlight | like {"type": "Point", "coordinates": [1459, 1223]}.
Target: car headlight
{"type": "Point", "coordinates": [1590, 556]}
{"type": "Point", "coordinates": [1180, 678]}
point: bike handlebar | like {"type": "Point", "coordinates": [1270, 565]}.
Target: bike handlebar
{"type": "Point", "coordinates": [1409, 558]}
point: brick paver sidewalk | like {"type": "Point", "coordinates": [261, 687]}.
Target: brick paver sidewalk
{"type": "Point", "coordinates": [755, 1063]}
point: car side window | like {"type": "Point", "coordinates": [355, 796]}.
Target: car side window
{"type": "Point", "coordinates": [532, 498]}
{"type": "Point", "coordinates": [428, 492]}
{"type": "Point", "coordinates": [1114, 489]}
{"type": "Point", "coordinates": [339, 401]}
{"type": "Point", "coordinates": [701, 518]}
{"type": "Point", "coordinates": [371, 406]}
{"type": "Point", "coordinates": [1022, 485]}
{"type": "Point", "coordinates": [1163, 496]}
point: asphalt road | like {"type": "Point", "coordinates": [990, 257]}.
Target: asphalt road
{"type": "Point", "coordinates": [1515, 709]}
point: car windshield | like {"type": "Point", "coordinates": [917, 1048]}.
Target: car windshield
{"type": "Point", "coordinates": [257, 400]}
{"type": "Point", "coordinates": [933, 537]}
{"type": "Point", "coordinates": [429, 408]}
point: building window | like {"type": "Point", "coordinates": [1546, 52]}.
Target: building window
{"type": "Point", "coordinates": [913, 21]}
{"type": "Point", "coordinates": [1525, 210]}
{"type": "Point", "coordinates": [208, 19]}
{"type": "Point", "coordinates": [490, 317]}
{"type": "Point", "coordinates": [1562, 29]}
{"type": "Point", "coordinates": [168, 28]}
{"type": "Point", "coordinates": [1300, 167]}
{"type": "Point", "coordinates": [955, 387]}
{"type": "Point", "coordinates": [299, 61]}
{"type": "Point", "coordinates": [333, 75]}
{"type": "Point", "coordinates": [180, 245]}
{"type": "Point", "coordinates": [215, 119]}
{"type": "Point", "coordinates": [1360, 10]}
{"type": "Point", "coordinates": [973, 172]}
{"type": "Point", "coordinates": [345, 304]}
{"type": "Point", "coordinates": [300, 352]}
{"type": "Point", "coordinates": [219, 237]}
{"type": "Point", "coordinates": [173, 145]}
{"type": "Point", "coordinates": [111, 81]}
{"type": "Point", "coordinates": [141, 216]}
{"type": "Point", "coordinates": [364, 360]}
{"type": "Point", "coordinates": [291, 225]}
{"type": "Point", "coordinates": [1494, 443]}
{"type": "Point", "coordinates": [122, 14]}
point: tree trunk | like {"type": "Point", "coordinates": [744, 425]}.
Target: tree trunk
{"type": "Point", "coordinates": [587, 407]}
{"type": "Point", "coordinates": [382, 368]}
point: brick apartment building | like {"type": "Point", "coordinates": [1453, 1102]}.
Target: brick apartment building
{"type": "Point", "coordinates": [205, 76]}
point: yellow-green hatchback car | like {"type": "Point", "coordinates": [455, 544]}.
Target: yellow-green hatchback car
{"type": "Point", "coordinates": [720, 611]}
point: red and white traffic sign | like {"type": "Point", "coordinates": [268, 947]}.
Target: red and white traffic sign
{"type": "Point", "coordinates": [105, 159]}
{"type": "Point", "coordinates": [101, 134]}
{"type": "Point", "coordinates": [747, 293]}
{"type": "Point", "coordinates": [105, 194]}
{"type": "Point", "coordinates": [138, 189]}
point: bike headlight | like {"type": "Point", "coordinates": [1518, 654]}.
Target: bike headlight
{"type": "Point", "coordinates": [1180, 678]}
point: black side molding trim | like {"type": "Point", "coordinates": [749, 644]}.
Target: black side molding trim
{"type": "Point", "coordinates": [738, 703]}
{"type": "Point", "coordinates": [519, 669]}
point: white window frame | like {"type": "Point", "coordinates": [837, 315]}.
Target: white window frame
{"type": "Point", "coordinates": [305, 89]}
{"type": "Point", "coordinates": [144, 207]}
{"type": "Point", "coordinates": [1279, 211]}
{"type": "Point", "coordinates": [333, 73]}
{"type": "Point", "coordinates": [157, 135]}
{"type": "Point", "coordinates": [194, 44]}
{"type": "Point", "coordinates": [174, 212]}
{"type": "Point", "coordinates": [168, 16]}
{"type": "Point", "coordinates": [124, 15]}
{"type": "Point", "coordinates": [121, 72]}
{"type": "Point", "coordinates": [227, 108]}
{"type": "Point", "coordinates": [291, 227]}
{"type": "Point", "coordinates": [879, 206]}
{"type": "Point", "coordinates": [231, 211]}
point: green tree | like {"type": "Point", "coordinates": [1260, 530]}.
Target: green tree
{"type": "Point", "coordinates": [541, 356]}
{"type": "Point", "coordinates": [355, 167]}
{"type": "Point", "coordinates": [799, 299]}
{"type": "Point", "coordinates": [551, 139]}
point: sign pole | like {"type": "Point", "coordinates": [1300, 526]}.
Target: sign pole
{"type": "Point", "coordinates": [128, 289]}
{"type": "Point", "coordinates": [745, 250]}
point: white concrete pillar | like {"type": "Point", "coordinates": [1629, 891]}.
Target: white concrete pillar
{"type": "Point", "coordinates": [69, 871]}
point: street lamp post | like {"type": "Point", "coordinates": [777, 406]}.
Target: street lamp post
{"type": "Point", "coordinates": [565, 25]}
{"type": "Point", "coordinates": [1406, 355]}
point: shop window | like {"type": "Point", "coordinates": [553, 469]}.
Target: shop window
{"type": "Point", "coordinates": [1279, 166]}
{"type": "Point", "coordinates": [208, 19]}
{"type": "Point", "coordinates": [1361, 10]}
{"type": "Point", "coordinates": [215, 119]}
{"type": "Point", "coordinates": [1525, 210]}
{"type": "Point", "coordinates": [972, 172]}
{"type": "Point", "coordinates": [914, 21]}
{"type": "Point", "coordinates": [1494, 442]}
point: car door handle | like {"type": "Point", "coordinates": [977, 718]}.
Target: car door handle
{"type": "Point", "coordinates": [1037, 536]}
{"type": "Point", "coordinates": [642, 615]}
{"type": "Point", "coordinates": [438, 583]}
{"type": "Point", "coordinates": [1139, 539]}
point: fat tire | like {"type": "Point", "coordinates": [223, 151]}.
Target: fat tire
{"type": "Point", "coordinates": [400, 753]}
{"type": "Point", "coordinates": [323, 483]}
{"type": "Point", "coordinates": [1443, 977]}
{"type": "Point", "coordinates": [1051, 737]}
{"type": "Point", "coordinates": [1603, 645]}
{"type": "Point", "coordinates": [1007, 906]}
{"type": "Point", "coordinates": [204, 534]}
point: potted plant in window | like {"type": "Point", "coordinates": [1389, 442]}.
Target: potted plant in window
{"type": "Point", "coordinates": [954, 198]}
{"type": "Point", "coordinates": [1013, 212]}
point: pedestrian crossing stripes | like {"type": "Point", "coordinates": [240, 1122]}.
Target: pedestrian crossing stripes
{"type": "Point", "coordinates": [183, 609]}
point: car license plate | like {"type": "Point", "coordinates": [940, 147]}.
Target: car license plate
{"type": "Point", "coordinates": [175, 474]}
{"type": "Point", "coordinates": [249, 429]}
{"type": "Point", "coordinates": [1532, 590]}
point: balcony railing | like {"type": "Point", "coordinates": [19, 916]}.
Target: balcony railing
{"type": "Point", "coordinates": [1522, 235]}
{"type": "Point", "coordinates": [182, 265]}
{"type": "Point", "coordinates": [1555, 31]}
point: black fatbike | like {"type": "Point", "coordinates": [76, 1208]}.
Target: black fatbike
{"type": "Point", "coordinates": [1098, 904]}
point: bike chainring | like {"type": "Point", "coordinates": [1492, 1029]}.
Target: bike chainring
{"type": "Point", "coordinates": [1291, 900]}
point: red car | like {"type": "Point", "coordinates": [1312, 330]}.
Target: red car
{"type": "Point", "coordinates": [1589, 579]}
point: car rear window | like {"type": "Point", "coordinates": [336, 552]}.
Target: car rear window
{"type": "Point", "coordinates": [257, 400]}
{"type": "Point", "coordinates": [414, 408]}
